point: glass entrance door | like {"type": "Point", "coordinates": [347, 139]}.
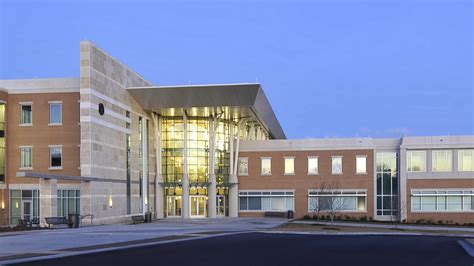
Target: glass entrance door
{"type": "Point", "coordinates": [220, 205]}
{"type": "Point", "coordinates": [27, 210]}
{"type": "Point", "coordinates": [173, 206]}
{"type": "Point", "coordinates": [198, 206]}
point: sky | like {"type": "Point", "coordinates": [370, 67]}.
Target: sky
{"type": "Point", "coordinates": [335, 68]}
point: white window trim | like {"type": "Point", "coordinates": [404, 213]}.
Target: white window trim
{"type": "Point", "coordinates": [342, 190]}
{"type": "Point", "coordinates": [26, 124]}
{"type": "Point", "coordinates": [451, 162]}
{"type": "Point", "coordinates": [284, 168]}
{"type": "Point", "coordinates": [238, 165]}
{"type": "Point", "coordinates": [62, 162]}
{"type": "Point", "coordinates": [457, 166]}
{"type": "Point", "coordinates": [55, 124]}
{"type": "Point", "coordinates": [342, 165]}
{"type": "Point", "coordinates": [261, 166]}
{"type": "Point", "coordinates": [421, 171]}
{"type": "Point", "coordinates": [317, 165]}
{"type": "Point", "coordinates": [436, 195]}
{"type": "Point", "coordinates": [265, 190]}
{"type": "Point", "coordinates": [361, 173]}
{"type": "Point", "coordinates": [21, 157]}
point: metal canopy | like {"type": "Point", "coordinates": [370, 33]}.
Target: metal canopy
{"type": "Point", "coordinates": [236, 100]}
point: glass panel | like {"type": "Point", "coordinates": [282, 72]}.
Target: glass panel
{"type": "Point", "coordinates": [278, 203]}
{"type": "Point", "coordinates": [416, 203]}
{"type": "Point", "coordinates": [442, 161]}
{"type": "Point", "coordinates": [454, 203]}
{"type": "Point", "coordinates": [243, 203]}
{"type": "Point", "coordinates": [290, 203]}
{"type": "Point", "coordinates": [312, 165]}
{"type": "Point", "coordinates": [337, 165]}
{"type": "Point", "coordinates": [56, 154]}
{"type": "Point", "coordinates": [255, 203]}
{"type": "Point", "coordinates": [26, 112]}
{"type": "Point", "coordinates": [416, 161]}
{"type": "Point", "coordinates": [428, 203]}
{"type": "Point", "coordinates": [243, 166]}
{"type": "Point", "coordinates": [465, 160]}
{"type": "Point", "coordinates": [289, 165]}
{"type": "Point", "coordinates": [266, 203]}
{"type": "Point", "coordinates": [361, 165]}
{"type": "Point", "coordinates": [266, 166]}
{"type": "Point", "coordinates": [55, 113]}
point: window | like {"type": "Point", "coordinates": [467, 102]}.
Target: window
{"type": "Point", "coordinates": [387, 201]}
{"type": "Point", "coordinates": [442, 200]}
{"type": "Point", "coordinates": [337, 165]}
{"type": "Point", "coordinates": [465, 160]}
{"type": "Point", "coordinates": [26, 116]}
{"type": "Point", "coordinates": [56, 156]}
{"type": "Point", "coordinates": [312, 165]}
{"type": "Point", "coordinates": [289, 165]}
{"type": "Point", "coordinates": [337, 200]}
{"type": "Point", "coordinates": [55, 113]}
{"type": "Point", "coordinates": [24, 205]}
{"type": "Point", "coordinates": [266, 166]}
{"type": "Point", "coordinates": [69, 201]}
{"type": "Point", "coordinates": [266, 200]}
{"type": "Point", "coordinates": [361, 164]}
{"type": "Point", "coordinates": [416, 161]}
{"type": "Point", "coordinates": [243, 166]}
{"type": "Point", "coordinates": [442, 161]}
{"type": "Point", "coordinates": [26, 157]}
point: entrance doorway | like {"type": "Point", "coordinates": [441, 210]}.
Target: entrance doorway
{"type": "Point", "coordinates": [220, 205]}
{"type": "Point", "coordinates": [198, 206]}
{"type": "Point", "coordinates": [173, 206]}
{"type": "Point", "coordinates": [27, 210]}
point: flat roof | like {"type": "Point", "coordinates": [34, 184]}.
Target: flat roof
{"type": "Point", "coordinates": [246, 100]}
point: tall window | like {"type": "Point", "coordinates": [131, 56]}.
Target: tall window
{"type": "Point", "coordinates": [442, 161]}
{"type": "Point", "coordinates": [361, 164]}
{"type": "Point", "coordinates": [266, 166]}
{"type": "Point", "coordinates": [312, 165]}
{"type": "Point", "coordinates": [26, 157]}
{"type": "Point", "coordinates": [387, 183]}
{"type": "Point", "coordinates": [243, 166]}
{"type": "Point", "coordinates": [69, 201]}
{"type": "Point", "coordinates": [337, 165]}
{"type": "Point", "coordinates": [289, 165]}
{"type": "Point", "coordinates": [56, 156]}
{"type": "Point", "coordinates": [2, 142]}
{"type": "Point", "coordinates": [416, 161]}
{"type": "Point", "coordinates": [465, 160]}
{"type": "Point", "coordinates": [55, 113]}
{"type": "Point", "coordinates": [26, 116]}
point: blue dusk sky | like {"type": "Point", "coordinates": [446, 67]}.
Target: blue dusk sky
{"type": "Point", "coordinates": [330, 68]}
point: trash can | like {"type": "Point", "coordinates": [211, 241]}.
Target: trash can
{"type": "Point", "coordinates": [147, 217]}
{"type": "Point", "coordinates": [290, 214]}
{"type": "Point", "coordinates": [73, 220]}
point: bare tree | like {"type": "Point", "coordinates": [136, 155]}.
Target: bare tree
{"type": "Point", "coordinates": [326, 201]}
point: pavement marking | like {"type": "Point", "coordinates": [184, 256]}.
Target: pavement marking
{"type": "Point", "coordinates": [468, 247]}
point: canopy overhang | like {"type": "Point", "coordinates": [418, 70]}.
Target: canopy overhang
{"type": "Point", "coordinates": [234, 100]}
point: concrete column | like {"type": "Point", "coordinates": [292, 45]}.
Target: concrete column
{"type": "Point", "coordinates": [185, 199]}
{"type": "Point", "coordinates": [159, 197]}
{"type": "Point", "coordinates": [48, 199]}
{"type": "Point", "coordinates": [144, 165]}
{"type": "Point", "coordinates": [212, 190]}
{"type": "Point", "coordinates": [402, 175]}
{"type": "Point", "coordinates": [233, 196]}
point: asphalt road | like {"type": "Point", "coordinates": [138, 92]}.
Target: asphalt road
{"type": "Point", "coordinates": [285, 249]}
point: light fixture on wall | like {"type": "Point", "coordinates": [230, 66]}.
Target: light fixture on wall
{"type": "Point", "coordinates": [3, 201]}
{"type": "Point", "coordinates": [111, 203]}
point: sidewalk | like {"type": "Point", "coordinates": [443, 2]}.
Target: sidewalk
{"type": "Point", "coordinates": [391, 226]}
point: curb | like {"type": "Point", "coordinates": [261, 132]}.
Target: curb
{"type": "Point", "coordinates": [365, 233]}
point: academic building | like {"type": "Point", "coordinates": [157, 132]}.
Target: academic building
{"type": "Point", "coordinates": [111, 144]}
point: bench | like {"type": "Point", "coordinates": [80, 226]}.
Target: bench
{"type": "Point", "coordinates": [276, 214]}
{"type": "Point", "coordinates": [29, 223]}
{"type": "Point", "coordinates": [55, 221]}
{"type": "Point", "coordinates": [138, 219]}
{"type": "Point", "coordinates": [91, 216]}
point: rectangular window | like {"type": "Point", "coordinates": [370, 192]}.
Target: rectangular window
{"type": "Point", "coordinates": [243, 166]}
{"type": "Point", "coordinates": [416, 161]}
{"type": "Point", "coordinates": [312, 165]}
{"type": "Point", "coordinates": [26, 116]}
{"type": "Point", "coordinates": [69, 201]}
{"type": "Point", "coordinates": [361, 164]}
{"type": "Point", "coordinates": [55, 113]}
{"type": "Point", "coordinates": [442, 161]}
{"type": "Point", "coordinates": [266, 166]}
{"type": "Point", "coordinates": [266, 201]}
{"type": "Point", "coordinates": [442, 201]}
{"type": "Point", "coordinates": [26, 157]}
{"type": "Point", "coordinates": [337, 165]}
{"type": "Point", "coordinates": [289, 165]}
{"type": "Point", "coordinates": [56, 156]}
{"type": "Point", "coordinates": [465, 160]}
{"type": "Point", "coordinates": [337, 200]}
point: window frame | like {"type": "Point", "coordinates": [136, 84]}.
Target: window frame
{"type": "Point", "coordinates": [438, 193]}
{"type": "Point", "coordinates": [22, 124]}
{"type": "Point", "coordinates": [332, 164]}
{"type": "Point", "coordinates": [409, 165]}
{"type": "Point", "coordinates": [51, 103]}
{"type": "Point", "coordinates": [51, 158]}
{"type": "Point", "coordinates": [365, 161]}
{"type": "Point", "coordinates": [317, 165]}
{"type": "Point", "coordinates": [238, 166]}
{"type": "Point", "coordinates": [22, 166]}
{"type": "Point", "coordinates": [460, 161]}
{"type": "Point", "coordinates": [261, 166]}
{"type": "Point", "coordinates": [450, 161]}
{"type": "Point", "coordinates": [284, 165]}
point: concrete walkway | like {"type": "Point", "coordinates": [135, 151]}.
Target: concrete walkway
{"type": "Point", "coordinates": [86, 238]}
{"type": "Point", "coordinates": [392, 226]}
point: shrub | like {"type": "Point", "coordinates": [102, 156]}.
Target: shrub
{"type": "Point", "coordinates": [306, 217]}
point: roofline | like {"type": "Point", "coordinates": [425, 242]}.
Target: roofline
{"type": "Point", "coordinates": [194, 85]}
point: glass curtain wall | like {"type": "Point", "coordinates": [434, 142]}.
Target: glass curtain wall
{"type": "Point", "coordinates": [387, 183]}
{"type": "Point", "coordinates": [2, 143]}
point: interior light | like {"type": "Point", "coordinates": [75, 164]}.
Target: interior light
{"type": "Point", "coordinates": [110, 202]}
{"type": "Point", "coordinates": [3, 205]}
{"type": "Point", "coordinates": [16, 205]}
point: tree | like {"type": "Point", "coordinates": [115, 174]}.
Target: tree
{"type": "Point", "coordinates": [326, 199]}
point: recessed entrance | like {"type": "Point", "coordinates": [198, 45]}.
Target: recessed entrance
{"type": "Point", "coordinates": [26, 210]}
{"type": "Point", "coordinates": [198, 206]}
{"type": "Point", "coordinates": [173, 206]}
{"type": "Point", "coordinates": [220, 206]}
